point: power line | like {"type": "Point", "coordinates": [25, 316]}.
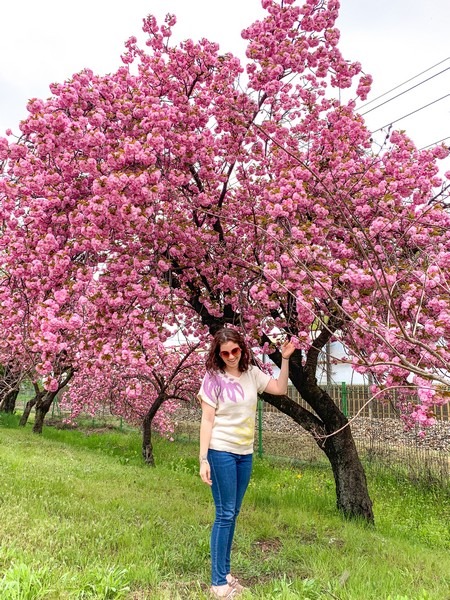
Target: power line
{"type": "Point", "coordinates": [411, 113]}
{"type": "Point", "coordinates": [405, 91]}
{"type": "Point", "coordinates": [435, 143]}
{"type": "Point", "coordinates": [404, 83]}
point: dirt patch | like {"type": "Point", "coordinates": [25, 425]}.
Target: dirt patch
{"type": "Point", "coordinates": [268, 546]}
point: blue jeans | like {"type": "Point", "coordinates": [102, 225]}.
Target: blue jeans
{"type": "Point", "coordinates": [230, 474]}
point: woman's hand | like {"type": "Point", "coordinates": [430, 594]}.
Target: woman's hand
{"type": "Point", "coordinates": [287, 348]}
{"type": "Point", "coordinates": [205, 472]}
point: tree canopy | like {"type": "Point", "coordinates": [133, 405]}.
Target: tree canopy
{"type": "Point", "coordinates": [188, 188]}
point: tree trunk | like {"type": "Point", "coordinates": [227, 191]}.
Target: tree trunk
{"type": "Point", "coordinates": [29, 405]}
{"type": "Point", "coordinates": [8, 404]}
{"type": "Point", "coordinates": [333, 436]}
{"type": "Point", "coordinates": [42, 407]}
{"type": "Point", "coordinates": [46, 399]}
{"type": "Point", "coordinates": [147, 446]}
{"type": "Point", "coordinates": [352, 496]}
{"type": "Point", "coordinates": [9, 388]}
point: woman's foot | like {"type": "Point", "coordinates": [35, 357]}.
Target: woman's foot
{"type": "Point", "coordinates": [224, 591]}
{"type": "Point", "coordinates": [234, 582]}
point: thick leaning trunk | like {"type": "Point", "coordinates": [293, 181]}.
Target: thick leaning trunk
{"type": "Point", "coordinates": [333, 436]}
{"type": "Point", "coordinates": [352, 496]}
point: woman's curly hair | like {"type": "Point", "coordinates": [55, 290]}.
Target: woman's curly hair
{"type": "Point", "coordinates": [214, 361]}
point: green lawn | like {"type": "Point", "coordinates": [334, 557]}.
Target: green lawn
{"type": "Point", "coordinates": [82, 517]}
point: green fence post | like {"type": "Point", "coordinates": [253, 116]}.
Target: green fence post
{"type": "Point", "coordinates": [55, 406]}
{"type": "Point", "coordinates": [344, 404]}
{"type": "Point", "coordinates": [260, 418]}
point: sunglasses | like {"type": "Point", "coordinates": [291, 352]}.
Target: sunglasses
{"type": "Point", "coordinates": [235, 352]}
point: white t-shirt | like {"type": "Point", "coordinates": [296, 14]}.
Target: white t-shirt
{"type": "Point", "coordinates": [235, 401]}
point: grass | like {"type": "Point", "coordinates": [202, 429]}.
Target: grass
{"type": "Point", "coordinates": [84, 518]}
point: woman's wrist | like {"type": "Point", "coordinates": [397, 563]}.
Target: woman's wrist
{"type": "Point", "coordinates": [203, 458]}
{"type": "Point", "coordinates": [285, 357]}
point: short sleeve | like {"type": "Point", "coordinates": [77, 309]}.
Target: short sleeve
{"type": "Point", "coordinates": [209, 390]}
{"type": "Point", "coordinates": [261, 379]}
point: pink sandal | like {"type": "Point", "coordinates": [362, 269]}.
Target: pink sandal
{"type": "Point", "coordinates": [230, 592]}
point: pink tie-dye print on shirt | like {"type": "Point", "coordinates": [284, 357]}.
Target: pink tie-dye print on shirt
{"type": "Point", "coordinates": [220, 387]}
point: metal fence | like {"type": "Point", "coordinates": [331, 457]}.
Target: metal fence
{"type": "Point", "coordinates": [378, 431]}
{"type": "Point", "coordinates": [355, 400]}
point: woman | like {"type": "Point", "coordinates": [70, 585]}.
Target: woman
{"type": "Point", "coordinates": [228, 395]}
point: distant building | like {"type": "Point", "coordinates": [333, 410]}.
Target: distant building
{"type": "Point", "coordinates": [338, 370]}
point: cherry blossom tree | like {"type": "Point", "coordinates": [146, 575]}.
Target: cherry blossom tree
{"type": "Point", "coordinates": [146, 392]}
{"type": "Point", "coordinates": [186, 184]}
{"type": "Point", "coordinates": [40, 327]}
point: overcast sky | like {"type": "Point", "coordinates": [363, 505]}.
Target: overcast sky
{"type": "Point", "coordinates": [395, 40]}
